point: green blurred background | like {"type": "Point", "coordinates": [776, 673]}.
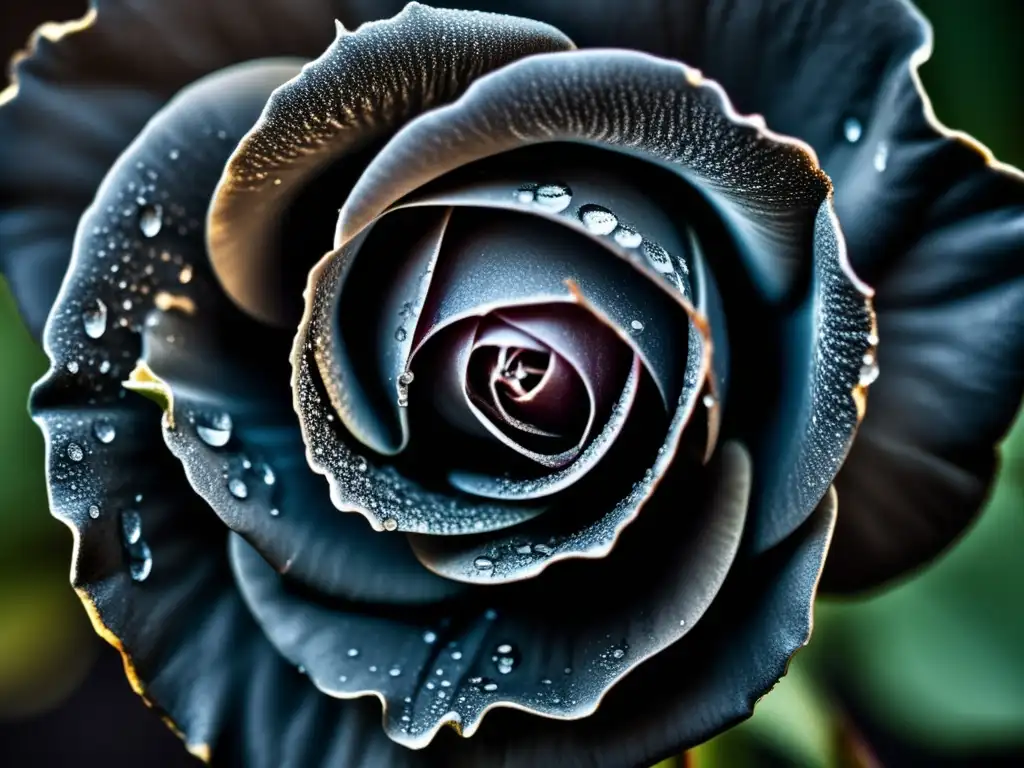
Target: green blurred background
{"type": "Point", "coordinates": [929, 673]}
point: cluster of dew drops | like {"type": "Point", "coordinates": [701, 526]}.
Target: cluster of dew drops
{"type": "Point", "coordinates": [600, 221]}
{"type": "Point", "coordinates": [443, 696]}
{"type": "Point", "coordinates": [137, 208]}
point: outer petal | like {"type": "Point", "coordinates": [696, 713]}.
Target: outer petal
{"type": "Point", "coordinates": [88, 87]}
{"type": "Point", "coordinates": [543, 651]}
{"type": "Point", "coordinates": [139, 268]}
{"type": "Point", "coordinates": [362, 89]}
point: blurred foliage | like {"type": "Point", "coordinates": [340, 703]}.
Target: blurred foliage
{"type": "Point", "coordinates": [935, 664]}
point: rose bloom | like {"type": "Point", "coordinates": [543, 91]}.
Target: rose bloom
{"type": "Point", "coordinates": [510, 368]}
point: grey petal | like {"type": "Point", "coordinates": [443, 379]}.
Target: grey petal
{"type": "Point", "coordinates": [363, 88]}
{"type": "Point", "coordinates": [557, 662]}
{"type": "Point", "coordinates": [736, 655]}
{"type": "Point", "coordinates": [139, 275]}
{"type": "Point", "coordinates": [767, 188]}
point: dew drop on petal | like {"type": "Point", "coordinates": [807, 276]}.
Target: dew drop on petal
{"type": "Point", "coordinates": [881, 160]}
{"type": "Point", "coordinates": [94, 319]}
{"type": "Point", "coordinates": [104, 431]}
{"type": "Point", "coordinates": [483, 564]}
{"type": "Point", "coordinates": [395, 671]}
{"type": "Point", "coordinates": [709, 400]}
{"type": "Point", "coordinates": [217, 431]}
{"type": "Point", "coordinates": [627, 236]}
{"type": "Point", "coordinates": [852, 130]}
{"type": "Point", "coordinates": [238, 488]}
{"type": "Point", "coordinates": [598, 219]}
{"type": "Point", "coordinates": [390, 524]}
{"type": "Point", "coordinates": [94, 512]}
{"type": "Point", "coordinates": [429, 637]}
{"type": "Point", "coordinates": [352, 653]}
{"type": "Point", "coordinates": [151, 220]}
{"type": "Point", "coordinates": [141, 561]}
{"type": "Point", "coordinates": [274, 512]}
{"type": "Point", "coordinates": [658, 258]}
{"type": "Point", "coordinates": [505, 658]}
{"type": "Point", "coordinates": [868, 370]}
{"type": "Point", "coordinates": [131, 526]}
{"type": "Point", "coordinates": [75, 452]}
{"type": "Point", "coordinates": [526, 194]}
{"type": "Point", "coordinates": [72, 366]}
{"type": "Point", "coordinates": [554, 197]}
{"type": "Point", "coordinates": [637, 326]}
{"type": "Point", "coordinates": [268, 475]}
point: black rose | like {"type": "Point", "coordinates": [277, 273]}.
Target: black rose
{"type": "Point", "coordinates": [585, 355]}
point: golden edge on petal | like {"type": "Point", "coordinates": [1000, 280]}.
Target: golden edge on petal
{"type": "Point", "coordinates": [50, 30]}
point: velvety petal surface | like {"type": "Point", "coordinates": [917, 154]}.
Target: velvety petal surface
{"type": "Point", "coordinates": [88, 87]}
{"type": "Point", "coordinates": [140, 287]}
{"type": "Point", "coordinates": [362, 89]}
{"type": "Point", "coordinates": [803, 396]}
{"type": "Point", "coordinates": [551, 657]}
{"type": "Point", "coordinates": [709, 680]}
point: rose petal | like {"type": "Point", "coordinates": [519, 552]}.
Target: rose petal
{"type": "Point", "coordinates": [523, 651]}
{"type": "Point", "coordinates": [736, 654]}
{"type": "Point", "coordinates": [88, 87]}
{"type": "Point", "coordinates": [767, 187]}
{"type": "Point", "coordinates": [363, 88]}
{"type": "Point", "coordinates": [140, 268]}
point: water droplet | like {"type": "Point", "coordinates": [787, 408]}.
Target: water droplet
{"type": "Point", "coordinates": [505, 658]}
{"type": "Point", "coordinates": [104, 431]}
{"type": "Point", "coordinates": [274, 512]}
{"type": "Point", "coordinates": [554, 197]}
{"type": "Point", "coordinates": [483, 564]}
{"type": "Point", "coordinates": [852, 130]}
{"type": "Point", "coordinates": [140, 561]}
{"type": "Point", "coordinates": [75, 452]}
{"type": "Point", "coordinates": [598, 219]}
{"type": "Point", "coordinates": [268, 475]}
{"type": "Point", "coordinates": [524, 549]}
{"type": "Point", "coordinates": [395, 671]}
{"type": "Point", "coordinates": [127, 304]}
{"type": "Point", "coordinates": [618, 653]}
{"type": "Point", "coordinates": [217, 431]}
{"type": "Point", "coordinates": [174, 154]}
{"type": "Point", "coordinates": [490, 614]}
{"type": "Point", "coordinates": [401, 334]}
{"type": "Point", "coordinates": [637, 326]}
{"type": "Point", "coordinates": [131, 526]}
{"type": "Point", "coordinates": [151, 219]}
{"type": "Point", "coordinates": [343, 678]}
{"type": "Point", "coordinates": [709, 401]}
{"type": "Point", "coordinates": [105, 366]}
{"type": "Point", "coordinates": [352, 652]}
{"type": "Point", "coordinates": [406, 378]}
{"type": "Point", "coordinates": [238, 488]}
{"type": "Point", "coordinates": [373, 667]}
{"type": "Point", "coordinates": [185, 276]}
{"type": "Point", "coordinates": [881, 160]}
{"type": "Point", "coordinates": [72, 366]}
{"type": "Point", "coordinates": [627, 236]}
{"type": "Point", "coordinates": [94, 512]}
{"type": "Point", "coordinates": [456, 655]}
{"type": "Point", "coordinates": [869, 370]}
{"type": "Point", "coordinates": [542, 549]}
{"type": "Point", "coordinates": [658, 258]}
{"type": "Point", "coordinates": [490, 686]}
{"type": "Point", "coordinates": [526, 194]}
{"type": "Point", "coordinates": [429, 637]}
{"type": "Point", "coordinates": [390, 524]}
